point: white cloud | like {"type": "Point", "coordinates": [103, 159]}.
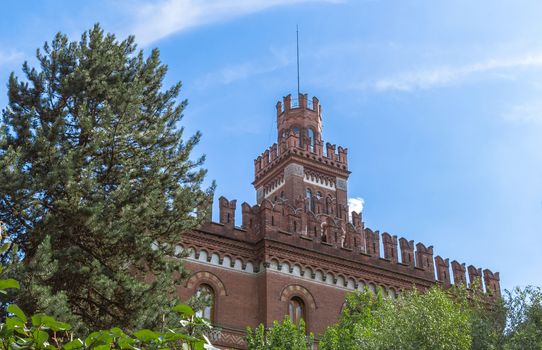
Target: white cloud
{"type": "Point", "coordinates": [10, 56]}
{"type": "Point", "coordinates": [527, 113]}
{"type": "Point", "coordinates": [444, 75]}
{"type": "Point", "coordinates": [235, 72]}
{"type": "Point", "coordinates": [356, 204]}
{"type": "Point", "coordinates": [157, 20]}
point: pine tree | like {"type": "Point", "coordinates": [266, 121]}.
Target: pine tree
{"type": "Point", "coordinates": [97, 184]}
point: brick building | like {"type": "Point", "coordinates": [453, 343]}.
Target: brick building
{"type": "Point", "coordinates": [298, 251]}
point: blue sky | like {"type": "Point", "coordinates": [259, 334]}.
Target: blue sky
{"type": "Point", "coordinates": [439, 103]}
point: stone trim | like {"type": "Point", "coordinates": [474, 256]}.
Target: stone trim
{"type": "Point", "coordinates": [206, 277]}
{"type": "Point", "coordinates": [296, 290]}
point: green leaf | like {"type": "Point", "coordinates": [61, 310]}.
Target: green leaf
{"type": "Point", "coordinates": [37, 320]}
{"type": "Point", "coordinates": [40, 337]}
{"type": "Point", "coordinates": [74, 344]}
{"type": "Point", "coordinates": [183, 309]}
{"type": "Point", "coordinates": [117, 332]}
{"type": "Point", "coordinates": [14, 309]}
{"type": "Point", "coordinates": [199, 345]}
{"type": "Point", "coordinates": [126, 343]}
{"type": "Point", "coordinates": [9, 283]}
{"type": "Point", "coordinates": [146, 335]}
{"type": "Point", "coordinates": [14, 323]}
{"type": "Point", "coordinates": [4, 247]}
{"type": "Point", "coordinates": [102, 347]}
{"type": "Point", "coordinates": [98, 338]}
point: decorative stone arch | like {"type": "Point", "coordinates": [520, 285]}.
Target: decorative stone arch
{"type": "Point", "coordinates": [344, 279]}
{"type": "Point", "coordinates": [208, 278]}
{"type": "Point", "coordinates": [308, 271]}
{"type": "Point", "coordinates": [362, 284]}
{"type": "Point", "coordinates": [226, 262]}
{"type": "Point", "coordinates": [238, 263]}
{"type": "Point", "coordinates": [244, 260]}
{"type": "Point", "coordinates": [320, 272]}
{"type": "Point", "coordinates": [289, 263]}
{"type": "Point", "coordinates": [295, 290]}
{"type": "Point", "coordinates": [208, 254]}
{"type": "Point", "coordinates": [191, 251]}
{"type": "Point", "coordinates": [330, 277]}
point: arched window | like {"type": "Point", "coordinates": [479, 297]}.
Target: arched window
{"type": "Point", "coordinates": [205, 291]}
{"type": "Point", "coordinates": [296, 131]}
{"type": "Point", "coordinates": [311, 135]}
{"type": "Point", "coordinates": [296, 310]}
{"type": "Point", "coordinates": [308, 196]}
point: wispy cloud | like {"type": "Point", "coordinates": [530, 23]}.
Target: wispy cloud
{"type": "Point", "coordinates": [526, 113]}
{"type": "Point", "coordinates": [157, 20]}
{"type": "Point", "coordinates": [235, 72]}
{"type": "Point", "coordinates": [10, 56]}
{"type": "Point", "coordinates": [445, 75]}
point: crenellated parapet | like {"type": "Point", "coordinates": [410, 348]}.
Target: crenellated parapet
{"type": "Point", "coordinates": [227, 211]}
{"type": "Point", "coordinates": [390, 247]}
{"type": "Point", "coordinates": [492, 283]}
{"type": "Point", "coordinates": [475, 278]}
{"type": "Point", "coordinates": [250, 218]}
{"type": "Point", "coordinates": [443, 271]}
{"type": "Point", "coordinates": [372, 243]}
{"type": "Point", "coordinates": [407, 252]}
{"type": "Point", "coordinates": [349, 239]}
{"type": "Point", "coordinates": [460, 273]}
{"type": "Point", "coordinates": [334, 157]}
{"type": "Point", "coordinates": [424, 257]}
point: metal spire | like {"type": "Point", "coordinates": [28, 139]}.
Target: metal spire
{"type": "Point", "coordinates": [297, 41]}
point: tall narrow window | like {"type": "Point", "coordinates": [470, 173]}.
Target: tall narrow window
{"type": "Point", "coordinates": [205, 291]}
{"type": "Point", "coordinates": [296, 131]}
{"type": "Point", "coordinates": [296, 309]}
{"type": "Point", "coordinates": [308, 196]}
{"type": "Point", "coordinates": [310, 134]}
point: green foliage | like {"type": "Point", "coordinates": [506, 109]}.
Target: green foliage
{"type": "Point", "coordinates": [358, 323]}
{"type": "Point", "coordinates": [283, 335]}
{"type": "Point", "coordinates": [486, 316]}
{"type": "Point", "coordinates": [44, 332]}
{"type": "Point", "coordinates": [524, 318]}
{"type": "Point", "coordinates": [97, 184]}
{"type": "Point", "coordinates": [428, 320]}
{"type": "Point", "coordinates": [457, 318]}
{"type": "Point", "coordinates": [41, 331]}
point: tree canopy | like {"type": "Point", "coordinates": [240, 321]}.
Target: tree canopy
{"type": "Point", "coordinates": [284, 335]}
{"type": "Point", "coordinates": [430, 320]}
{"type": "Point", "coordinates": [97, 183]}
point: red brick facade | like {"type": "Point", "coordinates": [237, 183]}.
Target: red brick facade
{"type": "Point", "coordinates": [300, 242]}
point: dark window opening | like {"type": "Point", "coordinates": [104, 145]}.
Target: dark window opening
{"type": "Point", "coordinates": [296, 310]}
{"type": "Point", "coordinates": [205, 291]}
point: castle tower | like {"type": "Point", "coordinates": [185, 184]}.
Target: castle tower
{"type": "Point", "coordinates": [299, 170]}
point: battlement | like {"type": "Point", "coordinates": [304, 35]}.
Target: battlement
{"type": "Point", "coordinates": [349, 239]}
{"type": "Point", "coordinates": [302, 102]}
{"type": "Point", "coordinates": [334, 156]}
